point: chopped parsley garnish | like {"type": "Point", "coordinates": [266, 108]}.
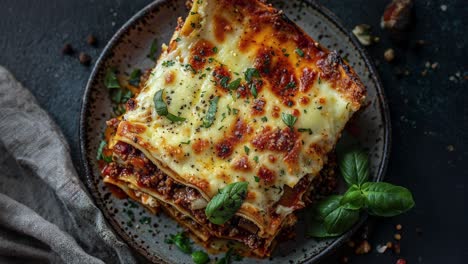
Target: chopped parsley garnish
{"type": "Point", "coordinates": [257, 179]}
{"type": "Point", "coordinates": [177, 39]}
{"type": "Point", "coordinates": [210, 115]}
{"type": "Point", "coordinates": [305, 130]}
{"type": "Point", "coordinates": [299, 52]}
{"type": "Point", "coordinates": [235, 111]}
{"type": "Point", "coordinates": [153, 50]}
{"type": "Point", "coordinates": [185, 142]}
{"type": "Point", "coordinates": [234, 84]}
{"type": "Point", "coordinates": [320, 107]}
{"type": "Point", "coordinates": [288, 119]}
{"type": "Point", "coordinates": [247, 150]}
{"type": "Point", "coordinates": [224, 81]}
{"type": "Point", "coordinates": [250, 73]}
{"type": "Point", "coordinates": [168, 63]}
{"type": "Point", "coordinates": [110, 80]}
{"type": "Point", "coordinates": [190, 68]}
{"type": "Point", "coordinates": [291, 85]}
{"type": "Point", "coordinates": [255, 159]}
{"type": "Point", "coordinates": [135, 77]}
{"type": "Point", "coordinates": [319, 80]}
{"type": "Point", "coordinates": [215, 49]}
{"type": "Point", "coordinates": [145, 220]}
{"type": "Point", "coordinates": [264, 119]}
{"type": "Point", "coordinates": [161, 107]}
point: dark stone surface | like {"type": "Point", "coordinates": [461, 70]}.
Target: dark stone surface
{"type": "Point", "coordinates": [429, 113]}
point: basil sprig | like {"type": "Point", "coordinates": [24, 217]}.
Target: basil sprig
{"type": "Point", "coordinates": [210, 115]}
{"type": "Point", "coordinates": [225, 204]}
{"type": "Point", "coordinates": [161, 107]}
{"type": "Point", "coordinates": [338, 213]}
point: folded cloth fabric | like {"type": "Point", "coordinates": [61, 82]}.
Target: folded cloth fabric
{"type": "Point", "coordinates": [46, 216]}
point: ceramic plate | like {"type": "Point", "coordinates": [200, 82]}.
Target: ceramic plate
{"type": "Point", "coordinates": [128, 49]}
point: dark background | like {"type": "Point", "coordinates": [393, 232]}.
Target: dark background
{"type": "Point", "coordinates": [429, 113]}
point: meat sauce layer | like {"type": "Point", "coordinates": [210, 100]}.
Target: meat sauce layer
{"type": "Point", "coordinates": [131, 161]}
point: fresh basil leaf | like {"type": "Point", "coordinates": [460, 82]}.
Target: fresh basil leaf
{"type": "Point", "coordinates": [354, 167]}
{"type": "Point", "coordinates": [253, 90]}
{"type": "Point", "coordinates": [353, 199]}
{"type": "Point", "coordinates": [317, 229]}
{"type": "Point", "coordinates": [250, 73]}
{"type": "Point", "coordinates": [308, 130]}
{"type": "Point", "coordinates": [110, 80]}
{"type": "Point", "coordinates": [229, 257]}
{"type": "Point", "coordinates": [340, 220]}
{"type": "Point", "coordinates": [234, 84]}
{"type": "Point", "coordinates": [385, 199]}
{"type": "Point", "coordinates": [116, 95]}
{"type": "Point", "coordinates": [159, 104]}
{"type": "Point", "coordinates": [101, 147]}
{"type": "Point", "coordinates": [181, 241]}
{"type": "Point", "coordinates": [288, 119]}
{"type": "Point", "coordinates": [161, 107]}
{"type": "Point", "coordinates": [323, 208]}
{"type": "Point", "coordinates": [175, 118]}
{"type": "Point", "coordinates": [126, 96]}
{"type": "Point", "coordinates": [211, 113]}
{"type": "Point", "coordinates": [200, 257]}
{"type": "Point", "coordinates": [299, 52]}
{"type": "Point", "coordinates": [225, 204]}
{"type": "Point", "coordinates": [135, 77]}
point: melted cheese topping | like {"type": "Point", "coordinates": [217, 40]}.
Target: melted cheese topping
{"type": "Point", "coordinates": [248, 140]}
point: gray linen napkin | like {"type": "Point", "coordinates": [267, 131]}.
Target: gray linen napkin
{"type": "Point", "coordinates": [46, 216]}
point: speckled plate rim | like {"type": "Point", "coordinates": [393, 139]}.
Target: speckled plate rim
{"type": "Point", "coordinates": [107, 51]}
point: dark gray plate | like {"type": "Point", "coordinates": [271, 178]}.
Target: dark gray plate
{"type": "Point", "coordinates": [128, 50]}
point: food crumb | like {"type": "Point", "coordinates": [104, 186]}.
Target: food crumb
{"type": "Point", "coordinates": [450, 148]}
{"type": "Point", "coordinates": [362, 33]}
{"type": "Point", "coordinates": [363, 248]}
{"type": "Point", "coordinates": [396, 248]}
{"type": "Point", "coordinates": [443, 8]}
{"type": "Point", "coordinates": [397, 236]}
{"type": "Point", "coordinates": [67, 49]}
{"type": "Point", "coordinates": [85, 59]}
{"type": "Point", "coordinates": [381, 248]}
{"type": "Point", "coordinates": [91, 40]}
{"type": "Point", "coordinates": [344, 259]}
{"type": "Point", "coordinates": [389, 244]}
{"type": "Point", "coordinates": [389, 55]}
{"type": "Point", "coordinates": [398, 227]}
{"type": "Point", "coordinates": [401, 261]}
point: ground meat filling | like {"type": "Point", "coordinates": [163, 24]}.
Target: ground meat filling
{"type": "Point", "coordinates": [130, 160]}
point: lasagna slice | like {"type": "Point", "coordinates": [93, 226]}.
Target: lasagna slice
{"type": "Point", "coordinates": [240, 94]}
